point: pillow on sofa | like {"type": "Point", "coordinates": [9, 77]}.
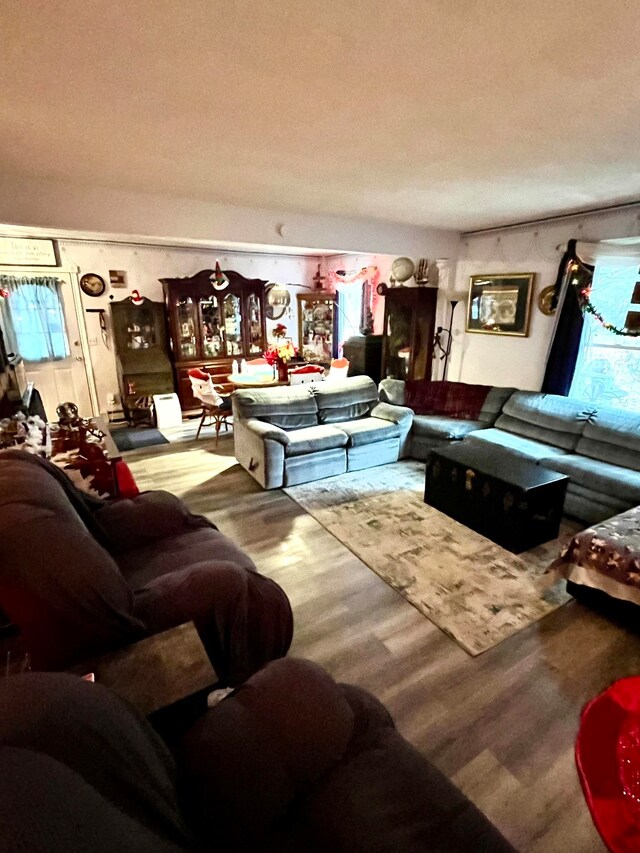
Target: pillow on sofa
{"type": "Point", "coordinates": [454, 399]}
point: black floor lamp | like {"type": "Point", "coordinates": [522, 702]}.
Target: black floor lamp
{"type": "Point", "coordinates": [443, 339]}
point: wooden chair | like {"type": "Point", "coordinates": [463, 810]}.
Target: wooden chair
{"type": "Point", "coordinates": [215, 406]}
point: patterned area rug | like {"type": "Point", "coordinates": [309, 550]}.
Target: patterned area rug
{"type": "Point", "coordinates": [472, 589]}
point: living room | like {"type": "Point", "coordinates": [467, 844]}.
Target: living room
{"type": "Point", "coordinates": [343, 155]}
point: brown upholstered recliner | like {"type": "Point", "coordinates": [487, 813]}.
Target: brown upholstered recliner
{"type": "Point", "coordinates": [291, 761]}
{"type": "Point", "coordinates": [81, 577]}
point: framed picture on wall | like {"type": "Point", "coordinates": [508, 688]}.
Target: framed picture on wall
{"type": "Point", "coordinates": [500, 304]}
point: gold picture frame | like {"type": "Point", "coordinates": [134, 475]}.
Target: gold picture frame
{"type": "Point", "coordinates": [500, 304]}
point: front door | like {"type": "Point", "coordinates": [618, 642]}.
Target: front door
{"type": "Point", "coordinates": [57, 368]}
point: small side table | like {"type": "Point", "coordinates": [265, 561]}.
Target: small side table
{"type": "Point", "coordinates": [156, 672]}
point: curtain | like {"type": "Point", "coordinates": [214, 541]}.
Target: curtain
{"type": "Point", "coordinates": [565, 346]}
{"type": "Point", "coordinates": [33, 317]}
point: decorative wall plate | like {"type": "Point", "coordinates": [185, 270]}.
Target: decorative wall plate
{"type": "Point", "coordinates": [382, 288]}
{"type": "Point", "coordinates": [92, 284]}
{"type": "Point", "coordinates": [545, 300]}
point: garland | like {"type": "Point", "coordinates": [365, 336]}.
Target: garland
{"type": "Point", "coordinates": [584, 300]}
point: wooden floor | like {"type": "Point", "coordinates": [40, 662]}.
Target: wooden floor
{"type": "Point", "coordinates": [501, 725]}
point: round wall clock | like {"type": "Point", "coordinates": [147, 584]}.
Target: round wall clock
{"type": "Point", "coordinates": [382, 288]}
{"type": "Point", "coordinates": [92, 284]}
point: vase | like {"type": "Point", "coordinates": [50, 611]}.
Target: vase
{"type": "Point", "coordinates": [283, 370]}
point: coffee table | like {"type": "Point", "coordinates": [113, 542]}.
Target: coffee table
{"type": "Point", "coordinates": [514, 502]}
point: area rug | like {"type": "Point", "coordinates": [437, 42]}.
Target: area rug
{"type": "Point", "coordinates": [130, 438]}
{"type": "Point", "coordinates": [475, 591]}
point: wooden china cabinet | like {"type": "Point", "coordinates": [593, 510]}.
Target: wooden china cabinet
{"type": "Point", "coordinates": [409, 325]}
{"type": "Point", "coordinates": [210, 328]}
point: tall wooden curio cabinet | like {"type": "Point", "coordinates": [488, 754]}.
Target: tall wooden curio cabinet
{"type": "Point", "coordinates": [409, 325]}
{"type": "Point", "coordinates": [211, 327]}
{"type": "Point", "coordinates": [142, 350]}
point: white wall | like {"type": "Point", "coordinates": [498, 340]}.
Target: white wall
{"type": "Point", "coordinates": [510, 361]}
{"type": "Point", "coordinates": [52, 204]}
{"type": "Point", "coordinates": [441, 272]}
{"type": "Point", "coordinates": [145, 265]}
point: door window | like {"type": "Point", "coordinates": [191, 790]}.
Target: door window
{"type": "Point", "coordinates": [33, 318]}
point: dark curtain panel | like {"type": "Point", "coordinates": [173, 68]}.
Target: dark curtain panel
{"type": "Point", "coordinates": [563, 355]}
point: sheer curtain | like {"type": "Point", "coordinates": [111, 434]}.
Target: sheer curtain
{"type": "Point", "coordinates": [33, 317]}
{"type": "Point", "coordinates": [585, 359]}
{"type": "Point", "coordinates": [607, 369]}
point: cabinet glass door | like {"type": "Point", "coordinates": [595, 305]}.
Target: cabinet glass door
{"type": "Point", "coordinates": [210, 328]}
{"type": "Point", "coordinates": [254, 321]}
{"type": "Point", "coordinates": [233, 324]}
{"type": "Point", "coordinates": [398, 342]}
{"type": "Point", "coordinates": [186, 321]}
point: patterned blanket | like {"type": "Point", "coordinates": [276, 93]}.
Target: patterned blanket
{"type": "Point", "coordinates": [606, 556]}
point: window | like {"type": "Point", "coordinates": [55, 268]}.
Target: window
{"type": "Point", "coordinates": [33, 318]}
{"type": "Point", "coordinates": [608, 366]}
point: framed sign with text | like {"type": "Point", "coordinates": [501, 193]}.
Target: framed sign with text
{"type": "Point", "coordinates": [28, 252]}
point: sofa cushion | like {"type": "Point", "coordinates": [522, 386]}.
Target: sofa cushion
{"type": "Point", "coordinates": [549, 418]}
{"type": "Point", "coordinates": [612, 436]}
{"type": "Point", "coordinates": [455, 399]}
{"type": "Point", "coordinates": [312, 439]}
{"type": "Point", "coordinates": [345, 400]}
{"type": "Point", "coordinates": [516, 445]}
{"type": "Point", "coordinates": [439, 426]}
{"type": "Point", "coordinates": [288, 407]}
{"type": "Point", "coordinates": [392, 391]}
{"type": "Point", "coordinates": [599, 476]}
{"type": "Point", "coordinates": [495, 400]}
{"type": "Point", "coordinates": [368, 430]}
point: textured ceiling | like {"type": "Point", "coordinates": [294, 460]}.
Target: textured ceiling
{"type": "Point", "coordinates": [451, 113]}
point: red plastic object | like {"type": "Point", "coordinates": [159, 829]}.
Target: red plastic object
{"type": "Point", "coordinates": [608, 760]}
{"type": "Point", "coordinates": [127, 486]}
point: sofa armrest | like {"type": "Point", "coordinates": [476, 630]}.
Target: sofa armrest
{"type": "Point", "coordinates": [400, 415]}
{"type": "Point", "coordinates": [244, 764]}
{"type": "Point", "coordinates": [265, 430]}
{"type": "Point", "coordinates": [259, 447]}
{"type": "Point", "coordinates": [395, 414]}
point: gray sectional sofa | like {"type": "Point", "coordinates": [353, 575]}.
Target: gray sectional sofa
{"type": "Point", "coordinates": [431, 431]}
{"type": "Point", "coordinates": [294, 434]}
{"type": "Point", "coordinates": [290, 435]}
{"type": "Point", "coordinates": [598, 448]}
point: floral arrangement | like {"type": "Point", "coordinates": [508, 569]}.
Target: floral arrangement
{"type": "Point", "coordinates": [282, 350]}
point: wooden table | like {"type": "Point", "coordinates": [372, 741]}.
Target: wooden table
{"type": "Point", "coordinates": [240, 380]}
{"type": "Point", "coordinates": [156, 672]}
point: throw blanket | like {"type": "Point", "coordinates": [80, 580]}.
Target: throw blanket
{"type": "Point", "coordinates": [453, 399]}
{"type": "Point", "coordinates": [606, 557]}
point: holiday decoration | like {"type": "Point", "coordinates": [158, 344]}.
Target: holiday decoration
{"type": "Point", "coordinates": [583, 293]}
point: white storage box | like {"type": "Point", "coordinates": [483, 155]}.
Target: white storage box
{"type": "Point", "coordinates": [305, 378]}
{"type": "Point", "coordinates": [168, 411]}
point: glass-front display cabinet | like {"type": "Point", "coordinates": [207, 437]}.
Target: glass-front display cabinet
{"type": "Point", "coordinates": [142, 353]}
{"type": "Point", "coordinates": [409, 326]}
{"type": "Point", "coordinates": [211, 323]}
{"type": "Point", "coordinates": [318, 326]}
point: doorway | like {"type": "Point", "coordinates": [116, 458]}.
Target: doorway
{"type": "Point", "coordinates": [42, 321]}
